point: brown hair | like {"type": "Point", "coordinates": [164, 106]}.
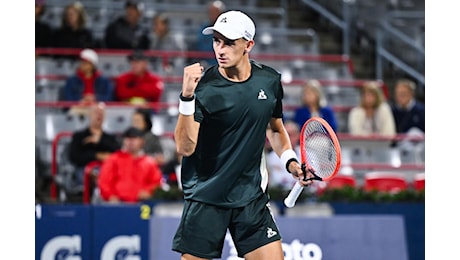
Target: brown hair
{"type": "Point", "coordinates": [81, 14]}
{"type": "Point", "coordinates": [374, 88]}
{"type": "Point", "coordinates": [315, 85]}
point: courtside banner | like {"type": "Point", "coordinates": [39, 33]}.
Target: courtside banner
{"type": "Point", "coordinates": [121, 231]}
{"type": "Point", "coordinates": [310, 238]}
{"type": "Point", "coordinates": [63, 232]}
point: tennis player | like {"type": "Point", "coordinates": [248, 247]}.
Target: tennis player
{"type": "Point", "coordinates": [221, 131]}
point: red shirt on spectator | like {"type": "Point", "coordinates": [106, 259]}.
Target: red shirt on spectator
{"type": "Point", "coordinates": [124, 176]}
{"type": "Point", "coordinates": [147, 86]}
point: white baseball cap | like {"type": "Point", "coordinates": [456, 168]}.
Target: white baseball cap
{"type": "Point", "coordinates": [233, 25]}
{"type": "Point", "coordinates": [89, 55]}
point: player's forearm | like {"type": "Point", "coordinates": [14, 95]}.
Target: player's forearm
{"type": "Point", "coordinates": [280, 142]}
{"type": "Point", "coordinates": [186, 135]}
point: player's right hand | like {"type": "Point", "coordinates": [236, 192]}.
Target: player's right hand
{"type": "Point", "coordinates": [192, 75]}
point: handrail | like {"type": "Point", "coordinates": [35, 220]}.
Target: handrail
{"type": "Point", "coordinates": [396, 137]}
{"type": "Point", "coordinates": [295, 82]}
{"type": "Point", "coordinates": [382, 52]}
{"type": "Point", "coordinates": [387, 29]}
{"type": "Point", "coordinates": [153, 105]}
{"type": "Point", "coordinates": [343, 24]}
{"type": "Point", "coordinates": [54, 167]}
{"type": "Point", "coordinates": [87, 180]}
{"type": "Point", "coordinates": [165, 55]}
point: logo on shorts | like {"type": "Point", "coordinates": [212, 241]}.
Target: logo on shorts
{"type": "Point", "coordinates": [271, 232]}
{"type": "Point", "coordinates": [262, 94]}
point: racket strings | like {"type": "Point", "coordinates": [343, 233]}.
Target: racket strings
{"type": "Point", "coordinates": [320, 150]}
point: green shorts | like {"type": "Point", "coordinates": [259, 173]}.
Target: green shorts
{"type": "Point", "coordinates": [203, 227]}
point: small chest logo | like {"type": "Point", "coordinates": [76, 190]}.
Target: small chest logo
{"type": "Point", "coordinates": [262, 94]}
{"type": "Point", "coordinates": [223, 20]}
{"type": "Point", "coordinates": [271, 232]}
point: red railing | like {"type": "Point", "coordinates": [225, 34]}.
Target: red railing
{"type": "Point", "coordinates": [166, 55]}
{"type": "Point", "coordinates": [54, 165]}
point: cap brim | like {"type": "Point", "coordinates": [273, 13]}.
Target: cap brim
{"type": "Point", "coordinates": [228, 35]}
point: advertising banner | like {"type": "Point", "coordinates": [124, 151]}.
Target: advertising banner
{"type": "Point", "coordinates": [121, 232]}
{"type": "Point", "coordinates": [63, 232]}
{"type": "Point", "coordinates": [341, 237]}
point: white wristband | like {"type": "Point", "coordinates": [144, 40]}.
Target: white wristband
{"type": "Point", "coordinates": [187, 108]}
{"type": "Point", "coordinates": [287, 156]}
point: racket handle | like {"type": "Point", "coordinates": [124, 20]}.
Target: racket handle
{"type": "Point", "coordinates": [295, 192]}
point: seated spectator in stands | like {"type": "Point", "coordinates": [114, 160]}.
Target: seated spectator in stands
{"type": "Point", "coordinates": [204, 42]}
{"type": "Point", "coordinates": [92, 143]}
{"type": "Point", "coordinates": [139, 85]}
{"type": "Point", "coordinates": [126, 32]}
{"type": "Point", "coordinates": [73, 32]}
{"type": "Point", "coordinates": [314, 104]}
{"type": "Point", "coordinates": [43, 31]}
{"type": "Point", "coordinates": [162, 39]}
{"type": "Point", "coordinates": [278, 175]}
{"type": "Point", "coordinates": [142, 119]}
{"type": "Point", "coordinates": [373, 115]}
{"type": "Point", "coordinates": [129, 175]}
{"type": "Point", "coordinates": [409, 113]}
{"type": "Point", "coordinates": [88, 85]}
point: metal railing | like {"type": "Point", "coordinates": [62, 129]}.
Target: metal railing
{"type": "Point", "coordinates": [388, 32]}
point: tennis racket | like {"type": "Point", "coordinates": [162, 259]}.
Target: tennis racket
{"type": "Point", "coordinates": [320, 152]}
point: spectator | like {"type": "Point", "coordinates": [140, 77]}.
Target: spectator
{"type": "Point", "coordinates": [142, 120]}
{"type": "Point", "coordinates": [314, 104]}
{"type": "Point", "coordinates": [163, 40]}
{"type": "Point", "coordinates": [73, 33]}
{"type": "Point", "coordinates": [409, 113]}
{"type": "Point", "coordinates": [88, 85]}
{"type": "Point", "coordinates": [139, 85]}
{"type": "Point", "coordinates": [204, 42]}
{"type": "Point", "coordinates": [373, 115]}
{"type": "Point", "coordinates": [129, 175]}
{"type": "Point", "coordinates": [126, 31]}
{"type": "Point", "coordinates": [276, 169]}
{"type": "Point", "coordinates": [92, 143]}
{"type": "Point", "coordinates": [43, 31]}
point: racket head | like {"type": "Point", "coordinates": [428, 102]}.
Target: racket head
{"type": "Point", "coordinates": [320, 149]}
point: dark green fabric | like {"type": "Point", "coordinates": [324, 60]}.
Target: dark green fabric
{"type": "Point", "coordinates": [225, 169]}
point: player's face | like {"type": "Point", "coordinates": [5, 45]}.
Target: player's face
{"type": "Point", "coordinates": [229, 53]}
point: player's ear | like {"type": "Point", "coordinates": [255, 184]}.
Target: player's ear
{"type": "Point", "coordinates": [249, 45]}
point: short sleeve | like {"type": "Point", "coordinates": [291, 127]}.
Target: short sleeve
{"type": "Point", "coordinates": [278, 111]}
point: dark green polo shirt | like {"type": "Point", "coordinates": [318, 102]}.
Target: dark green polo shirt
{"type": "Point", "coordinates": [227, 168]}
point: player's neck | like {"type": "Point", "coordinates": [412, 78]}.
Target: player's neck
{"type": "Point", "coordinates": [238, 73]}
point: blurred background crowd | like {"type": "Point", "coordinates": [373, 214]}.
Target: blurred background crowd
{"type": "Point", "coordinates": [108, 77]}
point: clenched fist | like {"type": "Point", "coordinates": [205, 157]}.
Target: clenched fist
{"type": "Point", "coordinates": [192, 75]}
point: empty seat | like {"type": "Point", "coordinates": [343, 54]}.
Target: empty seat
{"type": "Point", "coordinates": [47, 126]}
{"type": "Point", "coordinates": [338, 182]}
{"type": "Point", "coordinates": [117, 119]}
{"type": "Point", "coordinates": [391, 182]}
{"type": "Point", "coordinates": [419, 181]}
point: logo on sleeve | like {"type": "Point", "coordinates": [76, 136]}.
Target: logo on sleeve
{"type": "Point", "coordinates": [262, 95]}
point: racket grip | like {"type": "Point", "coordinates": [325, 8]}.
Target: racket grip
{"type": "Point", "coordinates": [295, 192]}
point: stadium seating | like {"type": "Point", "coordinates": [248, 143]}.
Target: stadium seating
{"type": "Point", "coordinates": [391, 182]}
{"type": "Point", "coordinates": [419, 181]}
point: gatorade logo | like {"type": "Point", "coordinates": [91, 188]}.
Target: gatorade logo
{"type": "Point", "coordinates": [62, 247]}
{"type": "Point", "coordinates": [122, 247]}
